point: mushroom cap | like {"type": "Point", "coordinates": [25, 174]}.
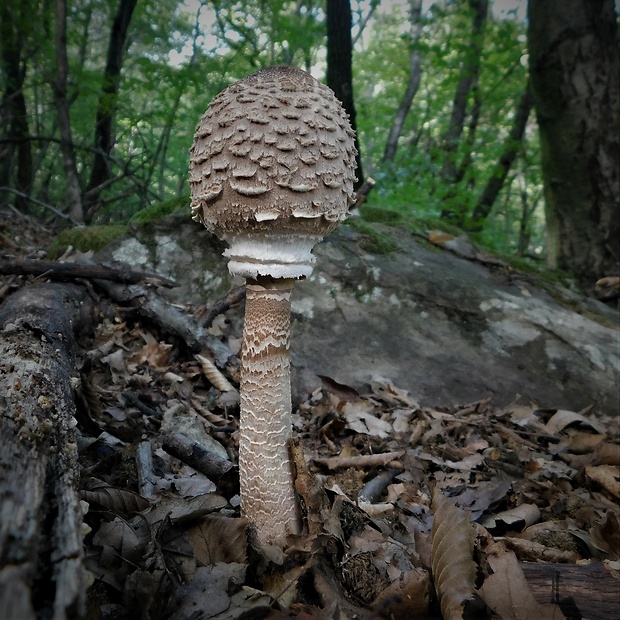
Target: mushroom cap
{"type": "Point", "coordinates": [272, 169]}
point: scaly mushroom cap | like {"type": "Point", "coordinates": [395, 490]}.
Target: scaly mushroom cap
{"type": "Point", "coordinates": [272, 169]}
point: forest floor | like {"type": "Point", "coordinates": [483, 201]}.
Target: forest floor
{"type": "Point", "coordinates": [411, 509]}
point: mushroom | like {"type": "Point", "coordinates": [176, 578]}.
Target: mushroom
{"type": "Point", "coordinates": [272, 169]}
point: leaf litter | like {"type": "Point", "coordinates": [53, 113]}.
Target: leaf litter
{"type": "Point", "coordinates": [411, 511]}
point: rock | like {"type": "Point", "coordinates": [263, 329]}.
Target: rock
{"type": "Point", "coordinates": [447, 329]}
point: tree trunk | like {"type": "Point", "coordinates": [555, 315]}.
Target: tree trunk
{"type": "Point", "coordinates": [511, 147]}
{"type": "Point", "coordinates": [415, 28]}
{"type": "Point", "coordinates": [74, 194]}
{"type": "Point", "coordinates": [41, 570]}
{"type": "Point", "coordinates": [104, 130]}
{"type": "Point", "coordinates": [573, 55]}
{"type": "Point", "coordinates": [469, 75]}
{"type": "Point", "coordinates": [16, 153]}
{"type": "Point", "coordinates": [339, 64]}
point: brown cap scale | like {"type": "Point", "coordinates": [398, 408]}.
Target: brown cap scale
{"type": "Point", "coordinates": [271, 172]}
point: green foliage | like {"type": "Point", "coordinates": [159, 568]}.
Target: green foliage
{"type": "Point", "coordinates": [85, 239]}
{"type": "Point", "coordinates": [180, 55]}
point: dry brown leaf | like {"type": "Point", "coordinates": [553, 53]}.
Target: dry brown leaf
{"type": "Point", "coordinates": [360, 417]}
{"type": "Point", "coordinates": [207, 593]}
{"type": "Point", "coordinates": [119, 501]}
{"type": "Point", "coordinates": [562, 418]}
{"type": "Point", "coordinates": [454, 571]}
{"type": "Point", "coordinates": [154, 354]}
{"type": "Point", "coordinates": [218, 538]}
{"type": "Point", "coordinates": [606, 534]}
{"type": "Point", "coordinates": [407, 597]}
{"type": "Point", "coordinates": [214, 376]}
{"type": "Point", "coordinates": [508, 594]}
{"type": "Point", "coordinates": [517, 518]}
{"type": "Point", "coordinates": [181, 510]}
{"type": "Point", "coordinates": [607, 454]}
{"type": "Point", "coordinates": [118, 540]}
{"type": "Point", "coordinates": [608, 476]}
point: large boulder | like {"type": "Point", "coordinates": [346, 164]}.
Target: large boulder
{"type": "Point", "coordinates": [448, 329]}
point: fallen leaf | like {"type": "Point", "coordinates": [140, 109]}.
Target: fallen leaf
{"type": "Point", "coordinates": [119, 501]}
{"type": "Point", "coordinates": [508, 594]}
{"type": "Point", "coordinates": [454, 571]}
{"type": "Point", "coordinates": [608, 476]}
{"type": "Point", "coordinates": [563, 418]}
{"type": "Point", "coordinates": [360, 418]}
{"type": "Point", "coordinates": [207, 593]}
{"type": "Point", "coordinates": [218, 538]}
{"type": "Point", "coordinates": [517, 518]}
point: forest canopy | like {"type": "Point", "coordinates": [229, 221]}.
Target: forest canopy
{"type": "Point", "coordinates": [100, 99]}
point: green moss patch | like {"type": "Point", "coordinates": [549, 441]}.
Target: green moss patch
{"type": "Point", "coordinates": [376, 241]}
{"type": "Point", "coordinates": [85, 238]}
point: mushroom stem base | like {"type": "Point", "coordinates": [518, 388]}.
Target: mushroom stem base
{"type": "Point", "coordinates": [268, 497]}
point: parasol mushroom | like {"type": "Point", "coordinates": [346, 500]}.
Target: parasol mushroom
{"type": "Point", "coordinates": [272, 169]}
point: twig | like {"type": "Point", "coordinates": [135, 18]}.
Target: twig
{"type": "Point", "coordinates": [64, 271]}
{"type": "Point", "coordinates": [222, 471]}
{"type": "Point", "coordinates": [232, 298]}
{"type": "Point", "coordinates": [362, 461]}
{"type": "Point", "coordinates": [144, 468]}
{"type": "Point", "coordinates": [41, 204]}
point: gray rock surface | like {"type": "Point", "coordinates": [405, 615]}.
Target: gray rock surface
{"type": "Point", "coordinates": [447, 330]}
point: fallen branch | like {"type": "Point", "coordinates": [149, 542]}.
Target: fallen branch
{"type": "Point", "coordinates": [69, 271]}
{"type": "Point", "coordinates": [41, 569]}
{"type": "Point", "coordinates": [219, 470]}
{"type": "Point", "coordinates": [386, 459]}
{"type": "Point", "coordinates": [232, 298]}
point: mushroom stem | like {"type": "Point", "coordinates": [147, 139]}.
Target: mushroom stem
{"type": "Point", "coordinates": [268, 498]}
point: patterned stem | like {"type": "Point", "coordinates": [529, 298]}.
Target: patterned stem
{"type": "Point", "coordinates": [267, 494]}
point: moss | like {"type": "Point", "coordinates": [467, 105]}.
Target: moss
{"type": "Point", "coordinates": [375, 241]}
{"type": "Point", "coordinates": [160, 210]}
{"type": "Point", "coordinates": [406, 221]}
{"type": "Point", "coordinates": [85, 238]}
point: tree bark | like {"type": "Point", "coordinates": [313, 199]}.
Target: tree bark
{"type": "Point", "coordinates": [74, 193]}
{"type": "Point", "coordinates": [104, 130]}
{"type": "Point", "coordinates": [415, 28]}
{"type": "Point", "coordinates": [339, 65]}
{"type": "Point", "coordinates": [573, 55]}
{"type": "Point", "coordinates": [41, 570]}
{"type": "Point", "coordinates": [510, 149]}
{"type": "Point", "coordinates": [470, 70]}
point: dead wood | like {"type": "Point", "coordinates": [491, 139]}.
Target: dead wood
{"type": "Point", "coordinates": [170, 320]}
{"type": "Point", "coordinates": [70, 271]}
{"type": "Point", "coordinates": [585, 591]}
{"type": "Point", "coordinates": [220, 470]}
{"type": "Point", "coordinates": [41, 570]}
{"type": "Point", "coordinates": [232, 298]}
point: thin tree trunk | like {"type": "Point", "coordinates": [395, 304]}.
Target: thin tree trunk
{"type": "Point", "coordinates": [415, 28]}
{"type": "Point", "coordinates": [470, 70]}
{"type": "Point", "coordinates": [74, 193]}
{"type": "Point", "coordinates": [15, 155]}
{"type": "Point", "coordinates": [339, 64]}
{"type": "Point", "coordinates": [573, 54]}
{"type": "Point", "coordinates": [511, 147]}
{"type": "Point", "coordinates": [104, 130]}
